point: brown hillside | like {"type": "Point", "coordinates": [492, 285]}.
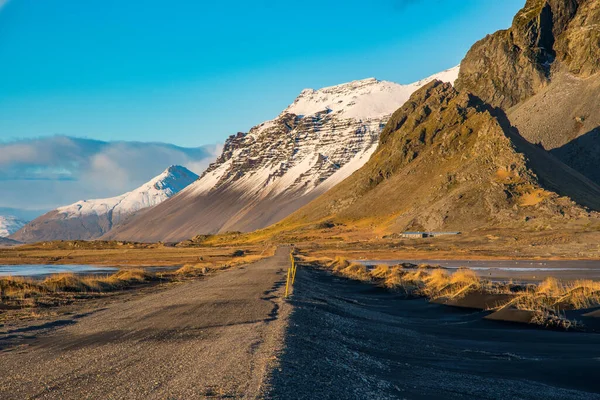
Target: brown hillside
{"type": "Point", "coordinates": [447, 161]}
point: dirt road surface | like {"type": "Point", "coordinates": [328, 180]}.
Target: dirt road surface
{"type": "Point", "coordinates": [214, 338]}
{"type": "Point", "coordinates": [233, 336]}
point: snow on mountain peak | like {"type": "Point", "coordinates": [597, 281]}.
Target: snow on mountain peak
{"type": "Point", "coordinates": [362, 99]}
{"type": "Point", "coordinates": [158, 189]}
{"type": "Point", "coordinates": [317, 141]}
{"type": "Point", "coordinates": [9, 225]}
{"type": "Point", "coordinates": [280, 165]}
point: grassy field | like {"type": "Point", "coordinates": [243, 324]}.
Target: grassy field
{"type": "Point", "coordinates": [26, 298]}
{"type": "Point", "coordinates": [121, 254]}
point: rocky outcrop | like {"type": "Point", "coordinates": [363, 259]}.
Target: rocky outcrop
{"type": "Point", "coordinates": [90, 219]}
{"type": "Point", "coordinates": [448, 161]}
{"type": "Point", "coordinates": [543, 71]}
{"type": "Point", "coordinates": [510, 66]}
{"type": "Point", "coordinates": [280, 165]}
{"type": "Point", "coordinates": [578, 44]}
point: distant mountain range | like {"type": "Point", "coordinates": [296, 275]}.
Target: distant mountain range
{"type": "Point", "coordinates": [90, 219]}
{"type": "Point", "coordinates": [514, 144]}
{"type": "Point", "coordinates": [280, 165]}
{"type": "Point", "coordinates": [10, 224]}
{"type": "Point", "coordinates": [447, 161]}
{"type": "Point", "coordinates": [476, 156]}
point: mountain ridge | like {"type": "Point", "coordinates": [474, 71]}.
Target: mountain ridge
{"type": "Point", "coordinates": [448, 161]}
{"type": "Point", "coordinates": [544, 71]}
{"type": "Point", "coordinates": [279, 165]}
{"type": "Point", "coordinates": [10, 224]}
{"type": "Point", "coordinates": [90, 219]}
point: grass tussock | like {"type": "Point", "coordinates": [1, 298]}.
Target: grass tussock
{"type": "Point", "coordinates": [356, 271]}
{"type": "Point", "coordinates": [339, 263]}
{"type": "Point", "coordinates": [193, 270]}
{"type": "Point", "coordinates": [380, 271]}
{"type": "Point", "coordinates": [16, 291]}
{"type": "Point", "coordinates": [555, 295]}
{"type": "Point", "coordinates": [546, 300]}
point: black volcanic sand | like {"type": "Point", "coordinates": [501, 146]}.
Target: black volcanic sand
{"type": "Point", "coordinates": [348, 340]}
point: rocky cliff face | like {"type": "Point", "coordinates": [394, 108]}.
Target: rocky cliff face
{"type": "Point", "coordinates": [90, 219]}
{"type": "Point", "coordinates": [546, 36]}
{"type": "Point", "coordinates": [448, 161]}
{"type": "Point", "coordinates": [544, 72]}
{"type": "Point", "coordinates": [278, 166]}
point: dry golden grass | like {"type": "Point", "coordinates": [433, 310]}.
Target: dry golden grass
{"type": "Point", "coordinates": [193, 270]}
{"type": "Point", "coordinates": [339, 263]}
{"type": "Point", "coordinates": [545, 300]}
{"type": "Point", "coordinates": [358, 272]}
{"type": "Point", "coordinates": [19, 288]}
{"type": "Point", "coordinates": [436, 283]}
{"type": "Point", "coordinates": [68, 283]}
{"type": "Point", "coordinates": [555, 295]}
{"type": "Point", "coordinates": [108, 253]}
{"type": "Point", "coordinates": [550, 287]}
{"type": "Point", "coordinates": [581, 294]}
{"type": "Point", "coordinates": [380, 271]}
{"type": "Point", "coordinates": [22, 292]}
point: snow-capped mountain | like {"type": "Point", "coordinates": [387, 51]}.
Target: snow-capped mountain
{"type": "Point", "coordinates": [280, 165]}
{"type": "Point", "coordinates": [89, 219]}
{"type": "Point", "coordinates": [10, 224]}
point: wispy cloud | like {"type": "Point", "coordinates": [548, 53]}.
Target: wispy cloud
{"type": "Point", "coordinates": [59, 170]}
{"type": "Point", "coordinates": [3, 3]}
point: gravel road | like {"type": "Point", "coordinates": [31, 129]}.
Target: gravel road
{"type": "Point", "coordinates": [233, 336]}
{"type": "Point", "coordinates": [348, 340]}
{"type": "Point", "coordinates": [215, 338]}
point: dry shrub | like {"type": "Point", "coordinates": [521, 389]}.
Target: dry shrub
{"type": "Point", "coordinates": [553, 321]}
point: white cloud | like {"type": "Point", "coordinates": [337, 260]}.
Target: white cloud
{"type": "Point", "coordinates": [53, 171]}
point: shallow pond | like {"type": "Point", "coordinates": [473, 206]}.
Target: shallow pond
{"type": "Point", "coordinates": [37, 270]}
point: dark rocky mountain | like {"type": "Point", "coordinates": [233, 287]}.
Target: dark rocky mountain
{"type": "Point", "coordinates": [544, 72]}
{"type": "Point", "coordinates": [280, 165]}
{"type": "Point", "coordinates": [448, 161]}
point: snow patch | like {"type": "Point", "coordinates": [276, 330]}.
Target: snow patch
{"type": "Point", "coordinates": [167, 184]}
{"type": "Point", "coordinates": [10, 224]}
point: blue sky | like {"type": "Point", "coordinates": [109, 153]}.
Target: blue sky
{"type": "Point", "coordinates": [192, 72]}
